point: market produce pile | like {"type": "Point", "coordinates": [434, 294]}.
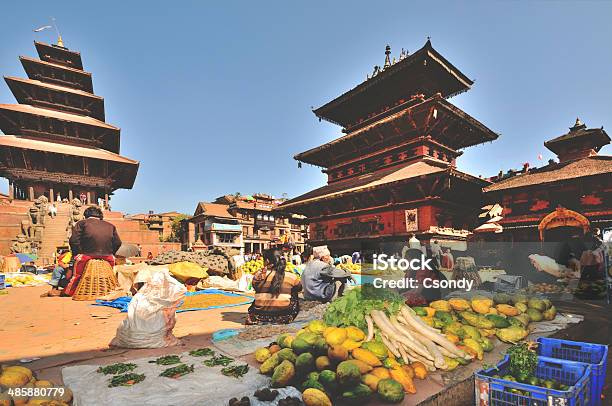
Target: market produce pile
{"type": "Point", "coordinates": [19, 386]}
{"type": "Point", "coordinates": [370, 344]}
{"type": "Point", "coordinates": [26, 279]}
{"type": "Point", "coordinates": [217, 261]}
{"type": "Point", "coordinates": [349, 266]}
{"type": "Point", "coordinates": [549, 288]}
{"type": "Point", "coordinates": [255, 265]}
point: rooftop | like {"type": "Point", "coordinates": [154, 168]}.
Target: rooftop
{"type": "Point", "coordinates": [213, 210]}
{"type": "Point", "coordinates": [374, 180]}
{"type": "Point", "coordinates": [55, 52]}
{"type": "Point", "coordinates": [467, 130]}
{"type": "Point", "coordinates": [60, 115]}
{"type": "Point", "coordinates": [424, 72]}
{"type": "Point", "coordinates": [579, 134]}
{"type": "Point", "coordinates": [556, 172]}
{"type": "Point", "coordinates": [57, 148]}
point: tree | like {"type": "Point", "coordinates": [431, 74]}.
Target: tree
{"type": "Point", "coordinates": [175, 236]}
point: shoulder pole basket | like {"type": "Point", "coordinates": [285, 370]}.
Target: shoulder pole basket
{"type": "Point", "coordinates": [98, 280]}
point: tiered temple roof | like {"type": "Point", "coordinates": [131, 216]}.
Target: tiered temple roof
{"type": "Point", "coordinates": [57, 134]}
{"type": "Point", "coordinates": [399, 128]}
{"type": "Point", "coordinates": [577, 152]}
{"type": "Point", "coordinates": [424, 72]}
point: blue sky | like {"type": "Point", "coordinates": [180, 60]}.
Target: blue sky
{"type": "Point", "coordinates": [215, 97]}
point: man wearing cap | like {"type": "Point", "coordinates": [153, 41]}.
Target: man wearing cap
{"type": "Point", "coordinates": [60, 276]}
{"type": "Point", "coordinates": [321, 280]}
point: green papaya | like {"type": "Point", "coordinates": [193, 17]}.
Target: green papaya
{"type": "Point", "coordinates": [283, 374]}
{"type": "Point", "coordinates": [498, 321]}
{"type": "Point", "coordinates": [534, 314]}
{"type": "Point", "coordinates": [304, 363]}
{"type": "Point", "coordinates": [359, 393]}
{"type": "Point", "coordinates": [268, 365]}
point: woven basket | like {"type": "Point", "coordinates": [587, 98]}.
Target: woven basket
{"type": "Point", "coordinates": [97, 280]}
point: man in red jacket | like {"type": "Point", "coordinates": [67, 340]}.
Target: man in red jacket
{"type": "Point", "coordinates": [92, 238]}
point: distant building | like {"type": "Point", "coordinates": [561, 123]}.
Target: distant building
{"type": "Point", "coordinates": [250, 223]}
{"type": "Point", "coordinates": [562, 198]}
{"type": "Point", "coordinates": [160, 222]}
{"type": "Point", "coordinates": [215, 226]}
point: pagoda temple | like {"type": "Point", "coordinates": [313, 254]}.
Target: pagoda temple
{"type": "Point", "coordinates": [56, 141]}
{"type": "Point", "coordinates": [394, 171]}
{"type": "Point", "coordinates": [570, 196]}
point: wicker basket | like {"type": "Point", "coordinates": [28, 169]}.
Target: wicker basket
{"type": "Point", "coordinates": [97, 280]}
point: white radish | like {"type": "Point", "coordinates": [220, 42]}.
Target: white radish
{"type": "Point", "coordinates": [403, 353]}
{"type": "Point", "coordinates": [417, 345]}
{"type": "Point", "coordinates": [439, 361]}
{"type": "Point", "coordinates": [368, 320]}
{"type": "Point", "coordinates": [381, 320]}
{"type": "Point", "coordinates": [410, 316]}
{"type": "Point", "coordinates": [428, 364]}
{"type": "Point", "coordinates": [394, 350]}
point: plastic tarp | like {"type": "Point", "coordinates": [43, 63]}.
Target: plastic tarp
{"type": "Point", "coordinates": [206, 386]}
{"type": "Point", "coordinates": [247, 299]}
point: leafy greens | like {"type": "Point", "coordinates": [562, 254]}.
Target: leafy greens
{"type": "Point", "coordinates": [350, 309]}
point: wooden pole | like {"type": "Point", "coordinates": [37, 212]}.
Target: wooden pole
{"type": "Point", "coordinates": [11, 191]}
{"type": "Point", "coordinates": [51, 195]}
{"type": "Point", "coordinates": [30, 193]}
{"type": "Point", "coordinates": [88, 197]}
{"type": "Point", "coordinates": [70, 195]}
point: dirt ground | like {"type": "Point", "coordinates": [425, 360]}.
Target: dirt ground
{"type": "Point", "coordinates": [63, 332]}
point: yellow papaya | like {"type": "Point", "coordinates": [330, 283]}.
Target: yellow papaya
{"type": "Point", "coordinates": [336, 337]}
{"type": "Point", "coordinates": [355, 333]}
{"type": "Point", "coordinates": [363, 367]}
{"type": "Point", "coordinates": [371, 381]}
{"type": "Point", "coordinates": [402, 377]}
{"type": "Point", "coordinates": [350, 344]}
{"type": "Point", "coordinates": [459, 304]}
{"type": "Point", "coordinates": [481, 305]}
{"type": "Point", "coordinates": [366, 356]}
{"type": "Point", "coordinates": [382, 373]}
{"type": "Point", "coordinates": [442, 305]}
{"type": "Point", "coordinates": [507, 310]}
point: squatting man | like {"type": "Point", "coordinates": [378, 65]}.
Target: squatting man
{"type": "Point", "coordinates": [383, 262]}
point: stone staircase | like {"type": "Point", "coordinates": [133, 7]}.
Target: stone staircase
{"type": "Point", "coordinates": [55, 234]}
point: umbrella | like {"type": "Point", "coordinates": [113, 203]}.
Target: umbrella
{"type": "Point", "coordinates": [23, 257]}
{"type": "Point", "coordinates": [128, 251]}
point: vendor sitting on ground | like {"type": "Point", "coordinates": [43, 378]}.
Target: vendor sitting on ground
{"type": "Point", "coordinates": [60, 276]}
{"type": "Point", "coordinates": [92, 238]}
{"type": "Point", "coordinates": [321, 280]}
{"type": "Point", "coordinates": [276, 292]}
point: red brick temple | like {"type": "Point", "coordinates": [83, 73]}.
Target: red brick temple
{"type": "Point", "coordinates": [543, 204]}
{"type": "Point", "coordinates": [394, 171]}
{"type": "Point", "coordinates": [56, 141]}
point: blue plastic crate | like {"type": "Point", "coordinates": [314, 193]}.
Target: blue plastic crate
{"type": "Point", "coordinates": [500, 392]}
{"type": "Point", "coordinates": [595, 355]}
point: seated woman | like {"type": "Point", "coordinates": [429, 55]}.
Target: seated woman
{"type": "Point", "coordinates": [276, 292]}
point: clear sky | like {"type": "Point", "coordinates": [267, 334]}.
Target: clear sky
{"type": "Point", "coordinates": [215, 97]}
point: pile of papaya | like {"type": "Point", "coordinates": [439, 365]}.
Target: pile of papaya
{"type": "Point", "coordinates": [471, 323]}
{"type": "Point", "coordinates": [337, 365]}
